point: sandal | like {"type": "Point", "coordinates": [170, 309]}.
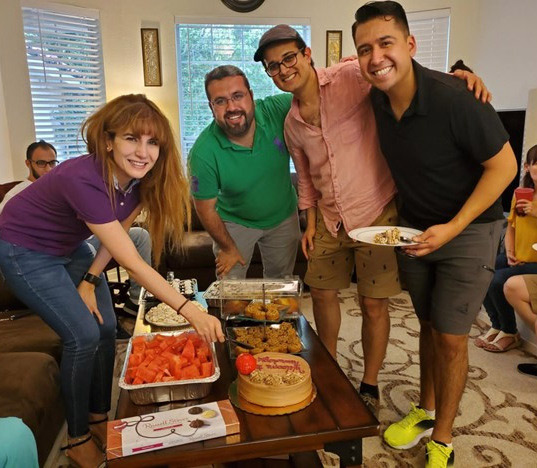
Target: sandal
{"type": "Point", "coordinates": [76, 444]}
{"type": "Point", "coordinates": [486, 338]}
{"type": "Point", "coordinates": [100, 443]}
{"type": "Point", "coordinates": [496, 347]}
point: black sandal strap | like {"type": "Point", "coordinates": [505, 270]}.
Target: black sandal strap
{"type": "Point", "coordinates": [99, 421]}
{"type": "Point", "coordinates": [76, 444]}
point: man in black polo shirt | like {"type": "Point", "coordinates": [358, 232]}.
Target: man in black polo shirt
{"type": "Point", "coordinates": [450, 158]}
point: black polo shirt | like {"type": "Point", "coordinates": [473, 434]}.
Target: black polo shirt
{"type": "Point", "coordinates": [435, 151]}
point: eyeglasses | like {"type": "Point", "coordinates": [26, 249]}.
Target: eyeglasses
{"type": "Point", "coordinates": [288, 61]}
{"type": "Point", "coordinates": [222, 101]}
{"type": "Point", "coordinates": [42, 163]}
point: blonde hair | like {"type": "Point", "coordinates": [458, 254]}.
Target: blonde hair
{"type": "Point", "coordinates": [164, 191]}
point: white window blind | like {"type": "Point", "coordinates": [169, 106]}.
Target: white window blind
{"type": "Point", "coordinates": [431, 29]}
{"type": "Point", "coordinates": [202, 47]}
{"type": "Point", "coordinates": [65, 64]}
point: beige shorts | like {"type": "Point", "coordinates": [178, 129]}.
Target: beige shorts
{"type": "Point", "coordinates": [531, 284]}
{"type": "Point", "coordinates": [332, 260]}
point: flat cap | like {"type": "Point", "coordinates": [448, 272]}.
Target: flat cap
{"type": "Point", "coordinates": [282, 32]}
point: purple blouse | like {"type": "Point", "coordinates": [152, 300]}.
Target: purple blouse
{"type": "Point", "coordinates": [50, 215]}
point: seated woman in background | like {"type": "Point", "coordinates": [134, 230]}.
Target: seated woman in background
{"type": "Point", "coordinates": [519, 258]}
{"type": "Point", "coordinates": [521, 292]}
{"type": "Point", "coordinates": [133, 164]}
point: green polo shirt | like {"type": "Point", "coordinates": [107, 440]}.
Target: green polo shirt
{"type": "Point", "coordinates": [252, 185]}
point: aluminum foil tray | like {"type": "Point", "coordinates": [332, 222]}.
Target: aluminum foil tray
{"type": "Point", "coordinates": [163, 392]}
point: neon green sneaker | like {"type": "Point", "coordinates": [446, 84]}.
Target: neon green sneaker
{"type": "Point", "coordinates": [438, 456]}
{"type": "Point", "coordinates": [410, 430]}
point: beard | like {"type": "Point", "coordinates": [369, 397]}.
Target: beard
{"type": "Point", "coordinates": [35, 175]}
{"type": "Point", "coordinates": [237, 130]}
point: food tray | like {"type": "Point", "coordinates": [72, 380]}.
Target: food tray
{"type": "Point", "coordinates": [182, 322]}
{"type": "Point", "coordinates": [232, 296]}
{"type": "Point", "coordinates": [233, 333]}
{"type": "Point", "coordinates": [162, 392]}
{"type": "Point", "coordinates": [187, 287]}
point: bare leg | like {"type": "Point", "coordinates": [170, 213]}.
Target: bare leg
{"type": "Point", "coordinates": [99, 430]}
{"type": "Point", "coordinates": [327, 317]}
{"type": "Point", "coordinates": [427, 400]}
{"type": "Point", "coordinates": [375, 333]}
{"type": "Point", "coordinates": [450, 371]}
{"type": "Point", "coordinates": [517, 294]}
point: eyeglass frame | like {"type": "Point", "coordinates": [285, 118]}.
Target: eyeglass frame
{"type": "Point", "coordinates": [41, 163]}
{"type": "Point", "coordinates": [233, 98]}
{"type": "Point", "coordinates": [279, 64]}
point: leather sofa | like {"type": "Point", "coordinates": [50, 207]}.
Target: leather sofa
{"type": "Point", "coordinates": [196, 259]}
{"type": "Point", "coordinates": [29, 365]}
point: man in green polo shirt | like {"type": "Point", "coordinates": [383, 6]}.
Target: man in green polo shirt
{"type": "Point", "coordinates": [239, 169]}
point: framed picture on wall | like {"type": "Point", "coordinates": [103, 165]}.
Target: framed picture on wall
{"type": "Point", "coordinates": [151, 57]}
{"type": "Point", "coordinates": [333, 47]}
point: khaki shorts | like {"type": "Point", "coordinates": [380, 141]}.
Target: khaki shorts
{"type": "Point", "coordinates": [332, 260]}
{"type": "Point", "coordinates": [531, 284]}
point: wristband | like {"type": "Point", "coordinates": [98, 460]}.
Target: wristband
{"type": "Point", "coordinates": [182, 305]}
{"type": "Point", "coordinates": [92, 279]}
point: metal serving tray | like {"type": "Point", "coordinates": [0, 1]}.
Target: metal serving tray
{"type": "Point", "coordinates": [233, 334]}
{"type": "Point", "coordinates": [163, 392]}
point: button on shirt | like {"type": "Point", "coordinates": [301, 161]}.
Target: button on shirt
{"type": "Point", "coordinates": [340, 167]}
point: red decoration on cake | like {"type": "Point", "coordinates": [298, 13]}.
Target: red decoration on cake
{"type": "Point", "coordinates": [245, 363]}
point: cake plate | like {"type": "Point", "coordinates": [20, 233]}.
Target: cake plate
{"type": "Point", "coordinates": [244, 405]}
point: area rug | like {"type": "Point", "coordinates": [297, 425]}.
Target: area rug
{"type": "Point", "coordinates": [497, 421]}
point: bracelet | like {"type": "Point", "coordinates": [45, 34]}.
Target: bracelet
{"type": "Point", "coordinates": [92, 279]}
{"type": "Point", "coordinates": [182, 305]}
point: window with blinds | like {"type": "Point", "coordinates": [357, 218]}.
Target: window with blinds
{"type": "Point", "coordinates": [64, 54]}
{"type": "Point", "coordinates": [202, 47]}
{"type": "Point", "coordinates": [431, 29]}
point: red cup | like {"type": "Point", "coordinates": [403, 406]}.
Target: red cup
{"type": "Point", "coordinates": [523, 193]}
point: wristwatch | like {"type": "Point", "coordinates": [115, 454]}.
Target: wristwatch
{"type": "Point", "coordinates": [92, 279]}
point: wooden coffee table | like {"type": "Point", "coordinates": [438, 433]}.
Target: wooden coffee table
{"type": "Point", "coordinates": [336, 420]}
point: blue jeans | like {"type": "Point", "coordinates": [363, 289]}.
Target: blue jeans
{"type": "Point", "coordinates": [47, 285]}
{"type": "Point", "coordinates": [501, 313]}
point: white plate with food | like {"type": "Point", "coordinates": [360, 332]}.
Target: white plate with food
{"type": "Point", "coordinates": [162, 315]}
{"type": "Point", "coordinates": [389, 236]}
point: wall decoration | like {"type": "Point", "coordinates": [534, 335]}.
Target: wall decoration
{"type": "Point", "coordinates": [243, 6]}
{"type": "Point", "coordinates": [151, 57]}
{"type": "Point", "coordinates": [333, 47]}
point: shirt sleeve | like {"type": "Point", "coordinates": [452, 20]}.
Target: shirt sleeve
{"type": "Point", "coordinates": [202, 171]}
{"type": "Point", "coordinates": [307, 193]}
{"type": "Point", "coordinates": [476, 127]}
{"type": "Point", "coordinates": [277, 106]}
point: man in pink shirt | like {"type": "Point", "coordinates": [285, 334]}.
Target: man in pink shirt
{"type": "Point", "coordinates": [344, 183]}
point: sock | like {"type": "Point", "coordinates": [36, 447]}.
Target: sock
{"type": "Point", "coordinates": [443, 443]}
{"type": "Point", "coordinates": [372, 390]}
{"type": "Point", "coordinates": [430, 413]}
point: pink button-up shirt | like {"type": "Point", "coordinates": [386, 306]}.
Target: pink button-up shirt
{"type": "Point", "coordinates": [340, 167]}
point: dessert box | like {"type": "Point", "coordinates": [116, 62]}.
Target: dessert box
{"type": "Point", "coordinates": [234, 296]}
{"type": "Point", "coordinates": [160, 392]}
{"type": "Point", "coordinates": [155, 431]}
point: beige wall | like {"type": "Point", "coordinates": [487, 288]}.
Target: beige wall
{"type": "Point", "coordinates": [485, 33]}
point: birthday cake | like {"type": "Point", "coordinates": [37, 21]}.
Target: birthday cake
{"type": "Point", "coordinates": [278, 380]}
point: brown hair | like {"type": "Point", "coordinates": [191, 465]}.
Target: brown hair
{"type": "Point", "coordinates": [531, 159]}
{"type": "Point", "coordinates": [164, 192]}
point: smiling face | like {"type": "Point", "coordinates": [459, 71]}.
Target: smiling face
{"type": "Point", "coordinates": [134, 155]}
{"type": "Point", "coordinates": [291, 78]}
{"type": "Point", "coordinates": [385, 54]}
{"type": "Point", "coordinates": [236, 115]}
